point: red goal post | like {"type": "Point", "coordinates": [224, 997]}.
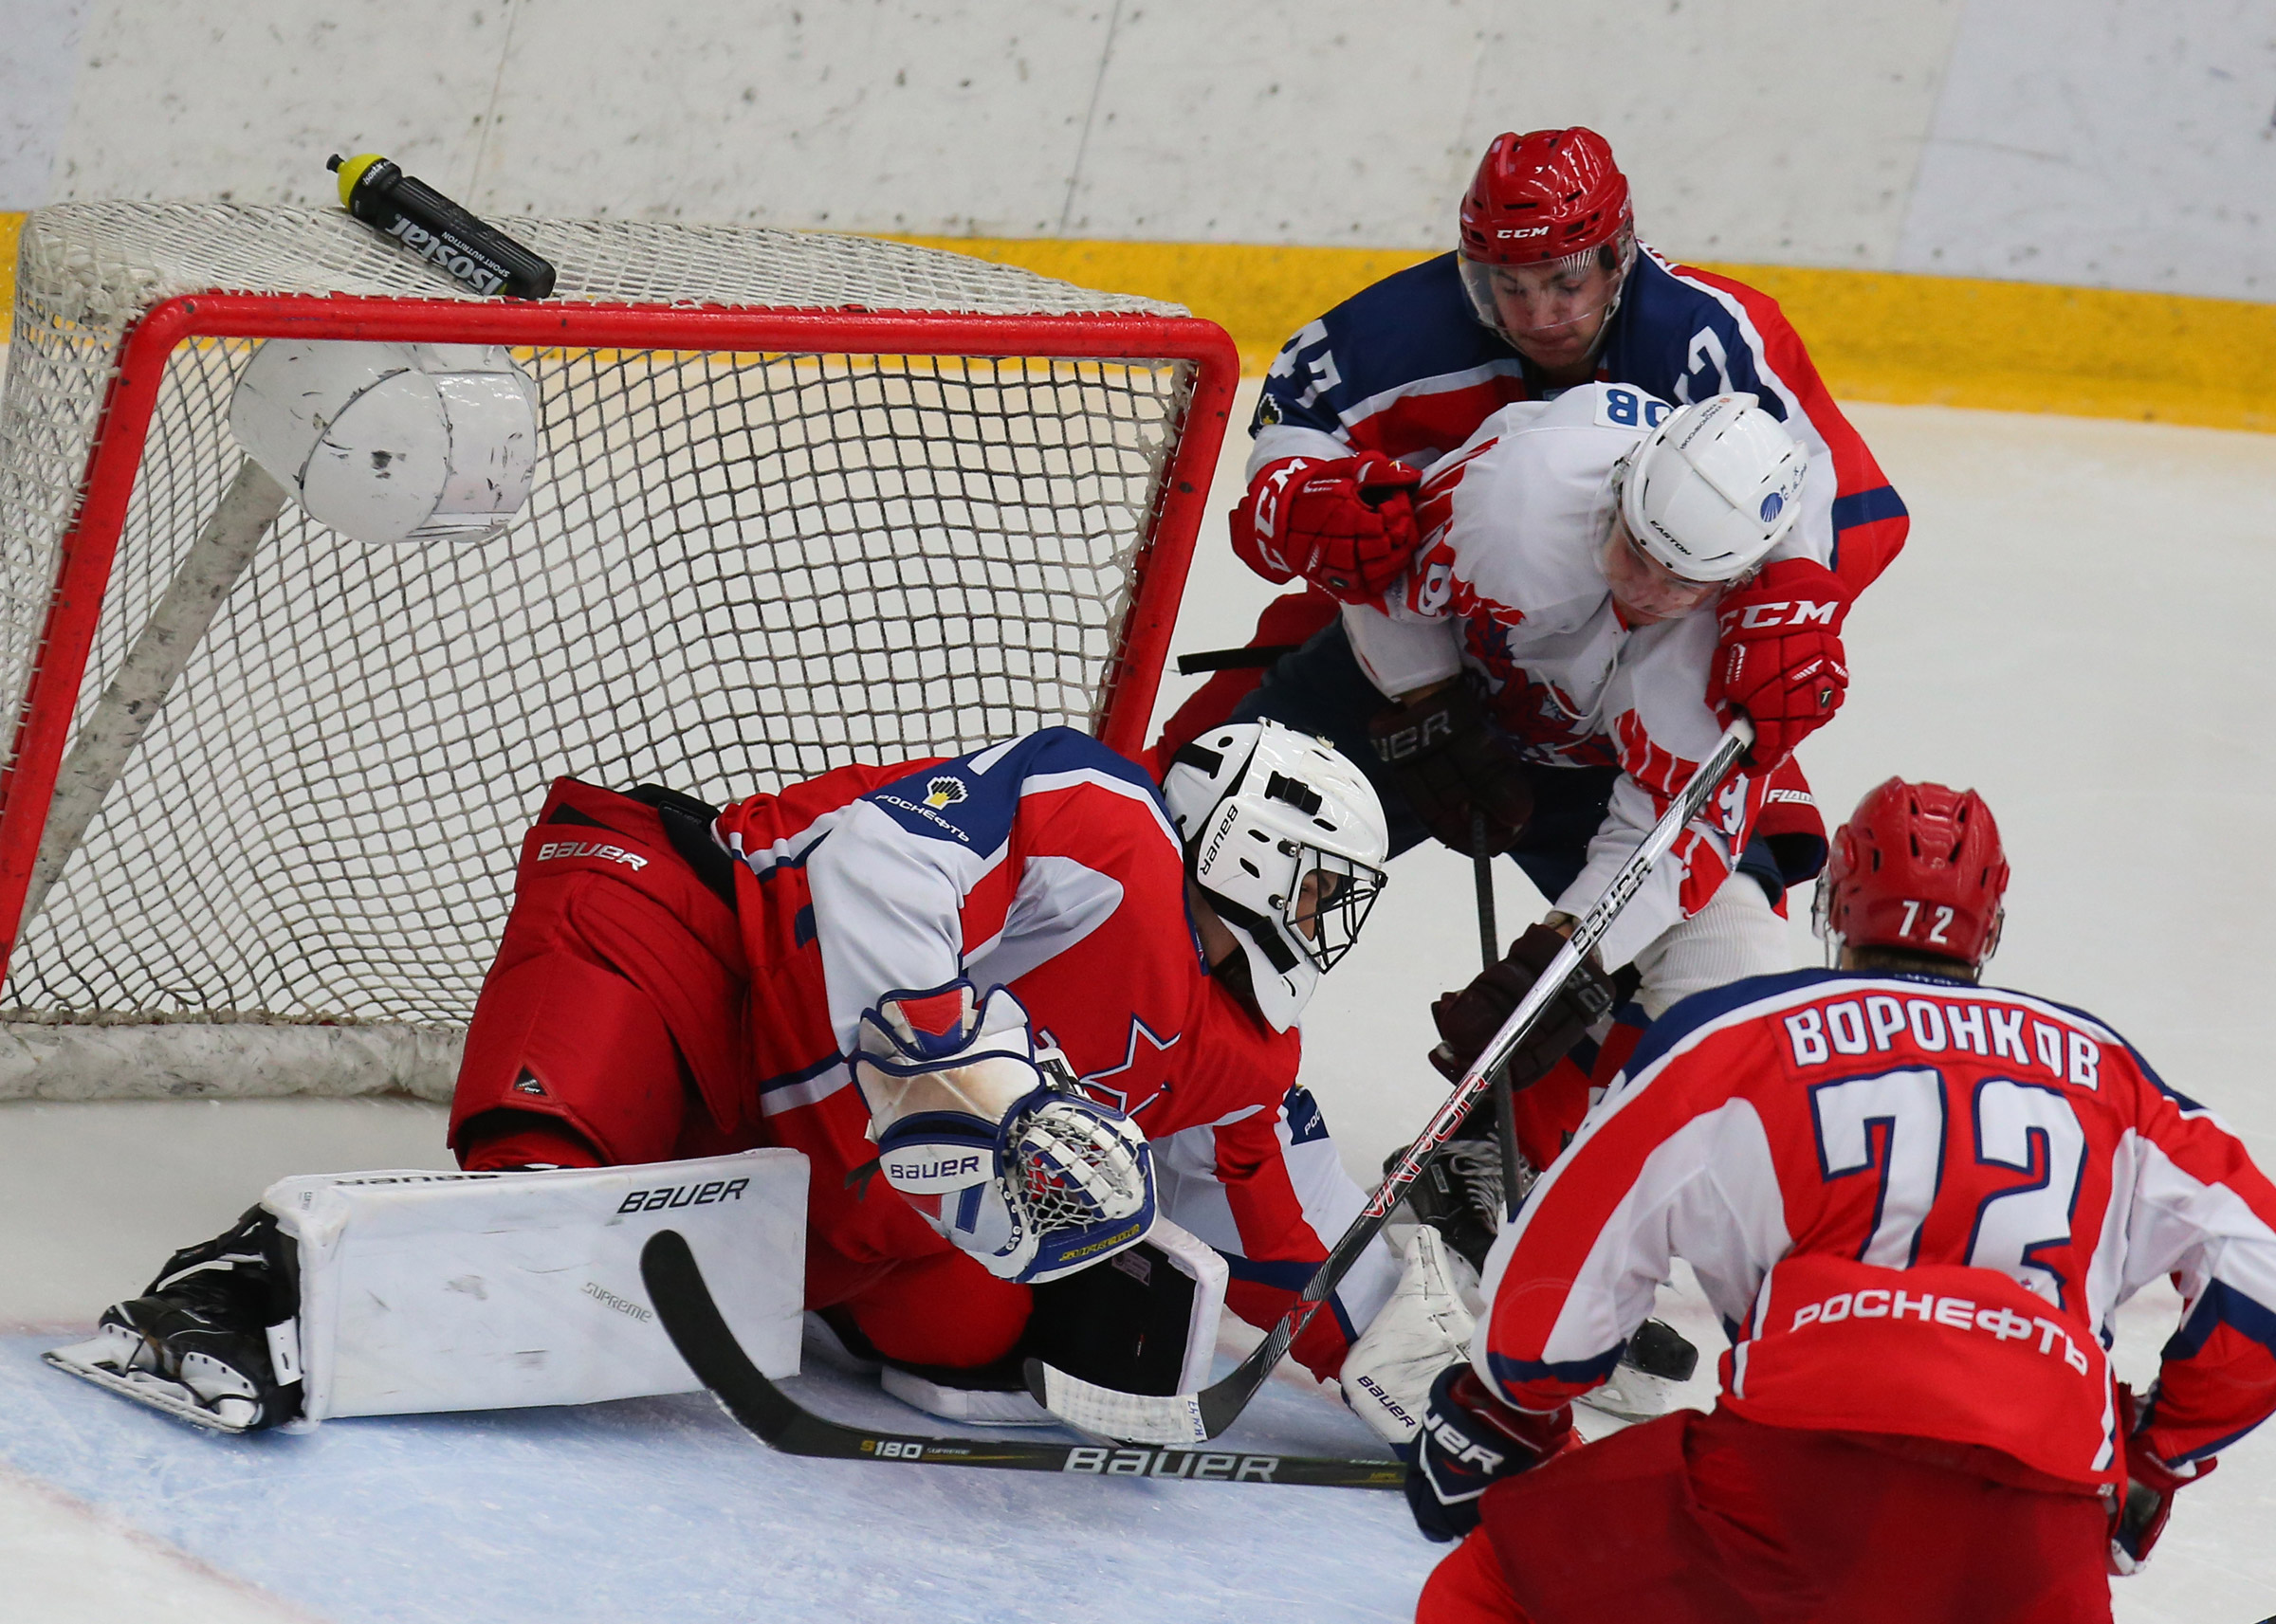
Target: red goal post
{"type": "Point", "coordinates": [1035, 480]}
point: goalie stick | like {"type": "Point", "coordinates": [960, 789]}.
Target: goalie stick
{"type": "Point", "coordinates": [1189, 1418]}
{"type": "Point", "coordinates": [682, 1301]}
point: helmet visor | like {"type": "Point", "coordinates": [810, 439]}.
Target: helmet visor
{"type": "Point", "coordinates": [1551, 306]}
{"type": "Point", "coordinates": [1331, 904]}
{"type": "Point", "coordinates": [1645, 586]}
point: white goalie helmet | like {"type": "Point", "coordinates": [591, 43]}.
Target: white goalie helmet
{"type": "Point", "coordinates": [1709, 491]}
{"type": "Point", "coordinates": [1287, 839]}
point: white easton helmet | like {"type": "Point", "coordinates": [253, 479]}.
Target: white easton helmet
{"type": "Point", "coordinates": [1712, 489]}
{"type": "Point", "coordinates": [1261, 809]}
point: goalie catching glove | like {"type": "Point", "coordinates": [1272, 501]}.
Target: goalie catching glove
{"type": "Point", "coordinates": [992, 1142]}
{"type": "Point", "coordinates": [1347, 525]}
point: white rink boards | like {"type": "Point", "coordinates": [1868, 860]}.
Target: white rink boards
{"type": "Point", "coordinates": [2074, 629]}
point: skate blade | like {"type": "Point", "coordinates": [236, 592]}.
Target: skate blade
{"type": "Point", "coordinates": [1632, 1395]}
{"type": "Point", "coordinates": [150, 1391]}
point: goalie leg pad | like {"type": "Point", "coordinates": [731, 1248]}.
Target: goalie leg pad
{"type": "Point", "coordinates": [433, 1291]}
{"type": "Point", "coordinates": [1422, 1330]}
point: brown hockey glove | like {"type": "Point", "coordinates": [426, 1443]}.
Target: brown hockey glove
{"type": "Point", "coordinates": [1449, 763]}
{"type": "Point", "coordinates": [1468, 1019]}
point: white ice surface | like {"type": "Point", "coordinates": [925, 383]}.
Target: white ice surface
{"type": "Point", "coordinates": [2076, 628]}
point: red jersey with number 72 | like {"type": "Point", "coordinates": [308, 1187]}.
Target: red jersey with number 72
{"type": "Point", "coordinates": [1916, 1204]}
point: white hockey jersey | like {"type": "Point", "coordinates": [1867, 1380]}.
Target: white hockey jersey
{"type": "Point", "coordinates": [1508, 582]}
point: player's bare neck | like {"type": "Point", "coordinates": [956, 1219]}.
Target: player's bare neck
{"type": "Point", "coordinates": [1905, 963]}
{"type": "Point", "coordinates": [1569, 376]}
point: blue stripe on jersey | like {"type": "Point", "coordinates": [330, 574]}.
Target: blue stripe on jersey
{"type": "Point", "coordinates": [1289, 1277]}
{"type": "Point", "coordinates": [973, 798]}
{"type": "Point", "coordinates": [1866, 507]}
{"type": "Point", "coordinates": [2148, 1071]}
{"type": "Point", "coordinates": [1687, 1016]}
{"type": "Point", "coordinates": [805, 1074]}
{"type": "Point", "coordinates": [1513, 1372]}
{"type": "Point", "coordinates": [2221, 1304]}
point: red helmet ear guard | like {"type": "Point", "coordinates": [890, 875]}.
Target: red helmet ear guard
{"type": "Point", "coordinates": [1544, 196]}
{"type": "Point", "coordinates": [1918, 867]}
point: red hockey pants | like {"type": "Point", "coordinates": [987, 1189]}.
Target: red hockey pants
{"type": "Point", "coordinates": [1712, 1519]}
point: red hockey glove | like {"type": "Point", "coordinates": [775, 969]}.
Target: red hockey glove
{"type": "Point", "coordinates": [2150, 1485]}
{"type": "Point", "coordinates": [1467, 1020]}
{"type": "Point", "coordinates": [1449, 763]}
{"type": "Point", "coordinates": [1346, 525]}
{"type": "Point", "coordinates": [1780, 655]}
{"type": "Point", "coordinates": [1470, 1440]}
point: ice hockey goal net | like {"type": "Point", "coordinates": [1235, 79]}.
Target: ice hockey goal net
{"type": "Point", "coordinates": [801, 499]}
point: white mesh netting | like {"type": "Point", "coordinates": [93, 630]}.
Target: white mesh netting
{"type": "Point", "coordinates": [735, 569]}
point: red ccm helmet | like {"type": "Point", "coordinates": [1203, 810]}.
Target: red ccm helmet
{"type": "Point", "coordinates": [1918, 867]}
{"type": "Point", "coordinates": [1551, 197]}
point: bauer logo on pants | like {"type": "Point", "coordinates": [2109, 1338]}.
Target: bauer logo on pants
{"type": "Point", "coordinates": [608, 853]}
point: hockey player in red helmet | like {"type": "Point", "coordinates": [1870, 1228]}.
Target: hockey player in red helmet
{"type": "Point", "coordinates": [1548, 236]}
{"type": "Point", "coordinates": [1917, 869]}
{"type": "Point", "coordinates": [1918, 1203]}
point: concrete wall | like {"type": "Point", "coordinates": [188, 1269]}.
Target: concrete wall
{"type": "Point", "coordinates": [2102, 143]}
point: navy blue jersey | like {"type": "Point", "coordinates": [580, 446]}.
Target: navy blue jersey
{"type": "Point", "coordinates": [1405, 368]}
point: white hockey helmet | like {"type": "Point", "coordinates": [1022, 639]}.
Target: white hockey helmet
{"type": "Point", "coordinates": [1287, 839]}
{"type": "Point", "coordinates": [1712, 489]}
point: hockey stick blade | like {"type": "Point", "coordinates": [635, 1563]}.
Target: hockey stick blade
{"type": "Point", "coordinates": [1190, 1418]}
{"type": "Point", "coordinates": [682, 1301]}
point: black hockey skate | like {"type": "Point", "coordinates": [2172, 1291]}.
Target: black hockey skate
{"type": "Point", "coordinates": [1655, 1364]}
{"type": "Point", "coordinates": [1459, 1195]}
{"type": "Point", "coordinates": [213, 1339]}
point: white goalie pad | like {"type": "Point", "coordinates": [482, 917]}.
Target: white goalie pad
{"type": "Point", "coordinates": [389, 443]}
{"type": "Point", "coordinates": [430, 1291]}
{"type": "Point", "coordinates": [1202, 1265]}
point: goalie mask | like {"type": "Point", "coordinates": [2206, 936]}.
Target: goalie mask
{"type": "Point", "coordinates": [1287, 839]}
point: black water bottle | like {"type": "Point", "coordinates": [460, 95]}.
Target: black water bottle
{"type": "Point", "coordinates": [429, 226]}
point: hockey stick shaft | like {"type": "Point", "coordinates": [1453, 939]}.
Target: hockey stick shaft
{"type": "Point", "coordinates": [1585, 935]}
{"type": "Point", "coordinates": [1208, 1414]}
{"type": "Point", "coordinates": [683, 1301]}
{"type": "Point", "coordinates": [1489, 951]}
